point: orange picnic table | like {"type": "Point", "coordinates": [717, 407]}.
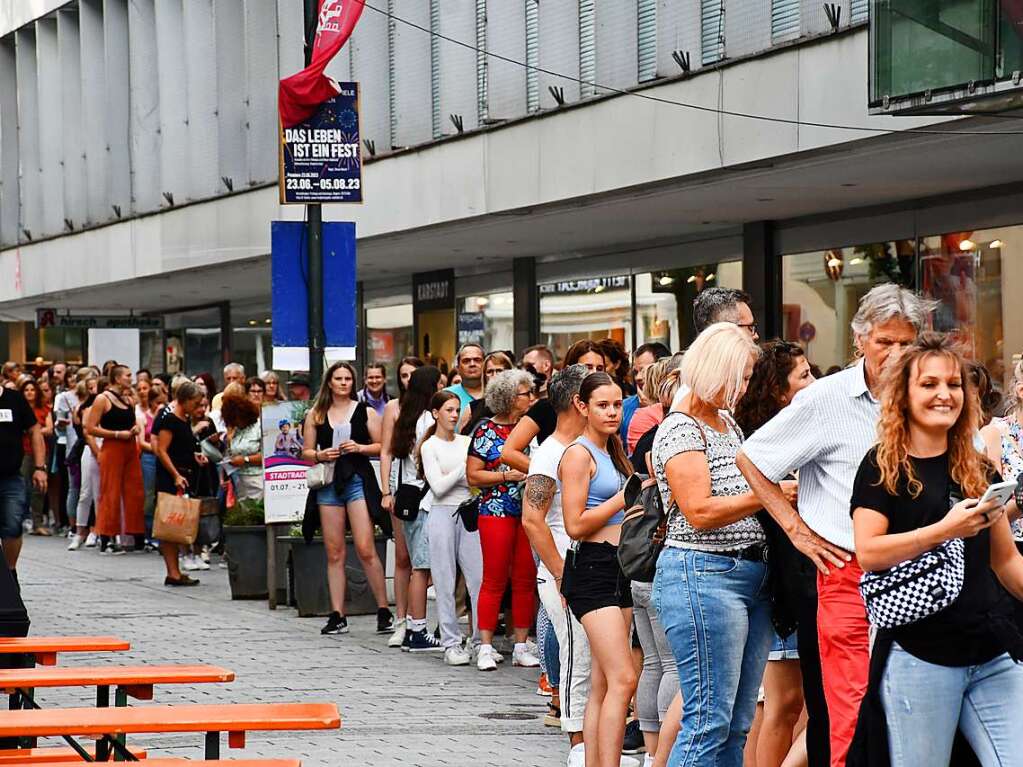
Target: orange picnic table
{"type": "Point", "coordinates": [45, 649]}
{"type": "Point", "coordinates": [234, 719]}
{"type": "Point", "coordinates": [136, 681]}
{"type": "Point", "coordinates": [201, 763]}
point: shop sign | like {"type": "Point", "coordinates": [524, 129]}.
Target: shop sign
{"type": "Point", "coordinates": [381, 344]}
{"type": "Point", "coordinates": [51, 318]}
{"type": "Point", "coordinates": [471, 328]}
{"type": "Point", "coordinates": [284, 484]}
{"type": "Point", "coordinates": [320, 158]}
{"type": "Point", "coordinates": [433, 290]}
{"type": "Point", "coordinates": [594, 285]}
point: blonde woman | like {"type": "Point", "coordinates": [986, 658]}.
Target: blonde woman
{"type": "Point", "coordinates": [1003, 440]}
{"type": "Point", "coordinates": [273, 391]}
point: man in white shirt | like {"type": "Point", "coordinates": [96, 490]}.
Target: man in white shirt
{"type": "Point", "coordinates": [824, 434]}
{"type": "Point", "coordinates": [545, 525]}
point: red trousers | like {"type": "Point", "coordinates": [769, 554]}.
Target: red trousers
{"type": "Point", "coordinates": [843, 633]}
{"type": "Point", "coordinates": [506, 554]}
{"type": "Point", "coordinates": [120, 480]}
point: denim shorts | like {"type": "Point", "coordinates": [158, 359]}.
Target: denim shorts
{"type": "Point", "coordinates": [417, 539]}
{"type": "Point", "coordinates": [593, 579]}
{"type": "Point", "coordinates": [353, 491]}
{"type": "Point", "coordinates": [13, 506]}
{"type": "Point", "coordinates": [784, 649]}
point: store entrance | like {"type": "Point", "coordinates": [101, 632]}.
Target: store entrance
{"type": "Point", "coordinates": [435, 337]}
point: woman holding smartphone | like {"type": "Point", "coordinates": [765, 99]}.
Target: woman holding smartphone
{"type": "Point", "coordinates": [917, 488]}
{"type": "Point", "coordinates": [593, 473]}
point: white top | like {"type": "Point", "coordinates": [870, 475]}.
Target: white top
{"type": "Point", "coordinates": [65, 404]}
{"type": "Point", "coordinates": [409, 470]}
{"type": "Point", "coordinates": [544, 462]}
{"type": "Point", "coordinates": [444, 469]}
{"type": "Point", "coordinates": [824, 433]}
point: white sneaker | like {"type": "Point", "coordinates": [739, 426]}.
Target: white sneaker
{"type": "Point", "coordinates": [90, 541]}
{"type": "Point", "coordinates": [648, 761]}
{"type": "Point", "coordinates": [200, 564]}
{"type": "Point", "coordinates": [485, 660]}
{"type": "Point", "coordinates": [498, 658]}
{"type": "Point", "coordinates": [628, 761]}
{"type": "Point", "coordinates": [399, 634]}
{"type": "Point", "coordinates": [76, 542]}
{"type": "Point", "coordinates": [204, 555]}
{"type": "Point", "coordinates": [521, 656]}
{"type": "Point", "coordinates": [456, 655]}
{"type": "Point", "coordinates": [577, 756]}
{"type": "Point", "coordinates": [189, 562]}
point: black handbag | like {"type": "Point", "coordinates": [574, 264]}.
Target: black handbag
{"type": "Point", "coordinates": [469, 512]}
{"type": "Point", "coordinates": [408, 497]}
{"type": "Point", "coordinates": [642, 535]}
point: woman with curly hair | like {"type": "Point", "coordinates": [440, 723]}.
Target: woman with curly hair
{"type": "Point", "coordinates": [780, 373]}
{"type": "Point", "coordinates": [916, 489]}
{"type": "Point", "coordinates": [244, 442]}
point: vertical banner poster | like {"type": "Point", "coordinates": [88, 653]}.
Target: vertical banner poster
{"type": "Point", "coordinates": [284, 484]}
{"type": "Point", "coordinates": [320, 157]}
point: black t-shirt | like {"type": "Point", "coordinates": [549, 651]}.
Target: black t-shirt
{"type": "Point", "coordinates": [959, 635]}
{"type": "Point", "coordinates": [643, 447]}
{"type": "Point", "coordinates": [543, 415]}
{"type": "Point", "coordinates": [16, 418]}
{"type": "Point", "coordinates": [182, 449]}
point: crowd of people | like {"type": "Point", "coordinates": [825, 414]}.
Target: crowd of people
{"type": "Point", "coordinates": [506, 481]}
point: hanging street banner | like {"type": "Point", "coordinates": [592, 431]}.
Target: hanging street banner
{"type": "Point", "coordinates": [320, 158]}
{"type": "Point", "coordinates": [284, 484]}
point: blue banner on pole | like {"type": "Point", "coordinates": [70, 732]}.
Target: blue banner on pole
{"type": "Point", "coordinates": [289, 274]}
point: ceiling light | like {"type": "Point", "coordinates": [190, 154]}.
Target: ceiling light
{"type": "Point", "coordinates": [266, 321]}
{"type": "Point", "coordinates": [252, 322]}
{"type": "Point", "coordinates": [691, 279]}
{"type": "Point", "coordinates": [967, 245]}
{"type": "Point", "coordinates": [995, 244]}
{"type": "Point", "coordinates": [855, 261]}
{"type": "Point", "coordinates": [482, 301]}
{"type": "Point", "coordinates": [666, 280]}
{"type": "Point", "coordinates": [834, 262]}
{"type": "Point", "coordinates": [709, 277]}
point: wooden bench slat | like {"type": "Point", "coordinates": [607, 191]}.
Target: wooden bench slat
{"type": "Point", "coordinates": [52, 755]}
{"type": "Point", "coordinates": [52, 644]}
{"type": "Point", "coordinates": [87, 676]}
{"type": "Point", "coordinates": [191, 763]}
{"type": "Point", "coordinates": [240, 717]}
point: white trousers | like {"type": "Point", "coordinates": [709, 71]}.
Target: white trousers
{"type": "Point", "coordinates": [574, 652]}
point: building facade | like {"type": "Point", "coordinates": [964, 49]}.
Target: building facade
{"type": "Point", "coordinates": [563, 170]}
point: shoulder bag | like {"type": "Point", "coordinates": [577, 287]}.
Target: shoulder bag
{"type": "Point", "coordinates": [408, 497]}
{"type": "Point", "coordinates": [469, 512]}
{"type": "Point", "coordinates": [320, 475]}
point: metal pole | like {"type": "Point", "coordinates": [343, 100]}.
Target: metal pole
{"type": "Point", "coordinates": [314, 240]}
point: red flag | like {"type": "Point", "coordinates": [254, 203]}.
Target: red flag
{"type": "Point", "coordinates": [298, 96]}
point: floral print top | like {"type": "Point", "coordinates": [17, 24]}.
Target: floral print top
{"type": "Point", "coordinates": [1012, 459]}
{"type": "Point", "coordinates": [503, 500]}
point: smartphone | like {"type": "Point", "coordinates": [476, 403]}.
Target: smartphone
{"type": "Point", "coordinates": [999, 491]}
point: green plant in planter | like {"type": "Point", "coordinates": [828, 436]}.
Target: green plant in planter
{"type": "Point", "coordinates": [245, 513]}
{"type": "Point", "coordinates": [295, 531]}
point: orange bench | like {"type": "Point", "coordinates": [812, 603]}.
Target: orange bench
{"type": "Point", "coordinates": [136, 681]}
{"type": "Point", "coordinates": [201, 763]}
{"type": "Point", "coordinates": [234, 719]}
{"type": "Point", "coordinates": [45, 649]}
{"type": "Point", "coordinates": [51, 755]}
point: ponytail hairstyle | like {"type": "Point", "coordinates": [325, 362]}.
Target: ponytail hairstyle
{"type": "Point", "coordinates": [421, 388]}
{"type": "Point", "coordinates": [615, 449]}
{"type": "Point", "coordinates": [970, 469]}
{"type": "Point", "coordinates": [436, 403]}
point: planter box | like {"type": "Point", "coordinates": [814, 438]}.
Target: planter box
{"type": "Point", "coordinates": [310, 592]}
{"type": "Point", "coordinates": [245, 548]}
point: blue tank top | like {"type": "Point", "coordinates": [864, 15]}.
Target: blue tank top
{"type": "Point", "coordinates": [605, 483]}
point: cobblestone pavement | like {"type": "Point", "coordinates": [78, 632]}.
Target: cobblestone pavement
{"type": "Point", "coordinates": [396, 708]}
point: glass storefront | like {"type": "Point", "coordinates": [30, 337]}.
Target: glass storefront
{"type": "Point", "coordinates": [487, 320]}
{"type": "Point", "coordinates": [573, 310]}
{"type": "Point", "coordinates": [966, 273]}
{"type": "Point", "coordinates": [389, 337]}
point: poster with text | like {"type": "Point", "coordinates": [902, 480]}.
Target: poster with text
{"type": "Point", "coordinates": [321, 160]}
{"type": "Point", "coordinates": [284, 483]}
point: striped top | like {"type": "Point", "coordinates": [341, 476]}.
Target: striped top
{"type": "Point", "coordinates": [824, 433]}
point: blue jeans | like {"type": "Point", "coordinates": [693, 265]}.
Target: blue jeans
{"type": "Point", "coordinates": [983, 701]}
{"type": "Point", "coordinates": [149, 487]}
{"type": "Point", "coordinates": [717, 616]}
{"type": "Point", "coordinates": [13, 506]}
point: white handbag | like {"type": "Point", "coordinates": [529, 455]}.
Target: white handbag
{"type": "Point", "coordinates": [320, 475]}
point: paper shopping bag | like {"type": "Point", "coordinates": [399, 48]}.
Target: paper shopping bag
{"type": "Point", "coordinates": [176, 519]}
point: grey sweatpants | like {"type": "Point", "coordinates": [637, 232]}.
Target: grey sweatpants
{"type": "Point", "coordinates": [450, 547]}
{"type": "Point", "coordinates": [659, 681]}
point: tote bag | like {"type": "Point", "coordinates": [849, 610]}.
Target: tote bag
{"type": "Point", "coordinates": [177, 518]}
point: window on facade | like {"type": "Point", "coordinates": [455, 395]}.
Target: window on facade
{"type": "Point", "coordinates": [389, 337]}
{"type": "Point", "coordinates": [487, 320]}
{"type": "Point", "coordinates": [967, 273]}
{"type": "Point", "coordinates": [571, 310]}
{"type": "Point", "coordinates": [252, 347]}
{"type": "Point", "coordinates": [55, 344]}
{"type": "Point", "coordinates": [821, 290]}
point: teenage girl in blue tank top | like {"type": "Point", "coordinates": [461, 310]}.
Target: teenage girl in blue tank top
{"type": "Point", "coordinates": [593, 472]}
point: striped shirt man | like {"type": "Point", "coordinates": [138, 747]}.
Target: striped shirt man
{"type": "Point", "coordinates": [824, 433]}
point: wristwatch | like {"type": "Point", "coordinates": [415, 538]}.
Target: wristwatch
{"type": "Point", "coordinates": [40, 468]}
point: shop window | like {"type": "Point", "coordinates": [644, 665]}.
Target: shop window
{"type": "Point", "coordinates": [389, 337]}
{"type": "Point", "coordinates": [664, 300]}
{"type": "Point", "coordinates": [821, 290]}
{"type": "Point", "coordinates": [571, 310]}
{"type": "Point", "coordinates": [54, 344]}
{"type": "Point", "coordinates": [151, 352]}
{"type": "Point", "coordinates": [487, 320]}
{"type": "Point", "coordinates": [967, 273]}
{"type": "Point", "coordinates": [252, 347]}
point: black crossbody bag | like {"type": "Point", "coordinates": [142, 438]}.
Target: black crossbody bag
{"type": "Point", "coordinates": [408, 497]}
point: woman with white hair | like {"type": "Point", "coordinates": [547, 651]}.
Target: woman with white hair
{"type": "Point", "coordinates": [506, 551]}
{"type": "Point", "coordinates": [710, 590]}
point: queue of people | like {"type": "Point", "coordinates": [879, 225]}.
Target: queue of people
{"type": "Point", "coordinates": [758, 638]}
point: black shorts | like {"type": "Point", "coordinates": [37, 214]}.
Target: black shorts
{"type": "Point", "coordinates": [593, 579]}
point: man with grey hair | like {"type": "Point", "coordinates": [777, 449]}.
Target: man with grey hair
{"type": "Point", "coordinates": [544, 523]}
{"type": "Point", "coordinates": [723, 305]}
{"type": "Point", "coordinates": [824, 434]}
{"type": "Point", "coordinates": [233, 373]}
